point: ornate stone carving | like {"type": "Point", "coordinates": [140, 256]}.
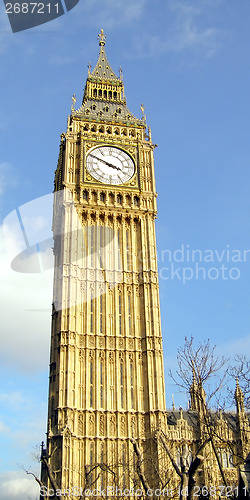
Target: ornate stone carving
{"type": "Point", "coordinates": [101, 342]}
{"type": "Point", "coordinates": [80, 425]}
{"type": "Point", "coordinates": [112, 425]}
{"type": "Point", "coordinates": [91, 424]}
{"type": "Point", "coordinates": [123, 423]}
{"type": "Point", "coordinates": [102, 425]}
{"type": "Point", "coordinates": [111, 357]}
{"type": "Point", "coordinates": [133, 426]}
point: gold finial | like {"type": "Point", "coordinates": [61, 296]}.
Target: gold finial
{"type": "Point", "coordinates": [89, 68]}
{"type": "Point", "coordinates": [73, 102]}
{"type": "Point", "coordinates": [143, 112]}
{"type": "Point", "coordinates": [120, 72]}
{"type": "Point", "coordinates": [102, 38]}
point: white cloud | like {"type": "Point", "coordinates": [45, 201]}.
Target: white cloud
{"type": "Point", "coordinates": [26, 296]}
{"type": "Point", "coordinates": [22, 427]}
{"type": "Point", "coordinates": [186, 31]}
{"type": "Point", "coordinates": [16, 485]}
{"type": "Point", "coordinates": [188, 34]}
{"type": "Point", "coordinates": [25, 316]}
{"type": "Point", "coordinates": [25, 291]}
{"type": "Point", "coordinates": [25, 321]}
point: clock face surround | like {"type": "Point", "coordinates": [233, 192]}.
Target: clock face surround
{"type": "Point", "coordinates": [110, 165]}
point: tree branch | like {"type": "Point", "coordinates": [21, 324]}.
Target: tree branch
{"type": "Point", "coordinates": [140, 473]}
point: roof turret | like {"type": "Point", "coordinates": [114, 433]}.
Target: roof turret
{"type": "Point", "coordinates": [239, 397]}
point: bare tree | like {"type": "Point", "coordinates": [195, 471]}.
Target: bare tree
{"type": "Point", "coordinates": [139, 467]}
{"type": "Point", "coordinates": [185, 471]}
{"type": "Point", "coordinates": [90, 475]}
{"type": "Point", "coordinates": [200, 364]}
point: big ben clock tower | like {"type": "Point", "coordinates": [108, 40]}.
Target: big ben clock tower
{"type": "Point", "coordinates": [106, 389]}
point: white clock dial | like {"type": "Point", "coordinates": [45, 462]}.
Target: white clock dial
{"type": "Point", "coordinates": [110, 165]}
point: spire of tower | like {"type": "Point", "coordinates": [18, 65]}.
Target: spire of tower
{"type": "Point", "coordinates": [103, 69]}
{"type": "Point", "coordinates": [194, 392]}
{"type": "Point", "coordinates": [197, 392]}
{"type": "Point", "coordinates": [104, 97]}
{"type": "Point", "coordinates": [239, 397]}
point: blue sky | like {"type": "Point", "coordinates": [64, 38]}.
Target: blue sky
{"type": "Point", "coordinates": [188, 62]}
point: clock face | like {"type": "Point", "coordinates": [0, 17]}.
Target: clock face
{"type": "Point", "coordinates": [110, 165]}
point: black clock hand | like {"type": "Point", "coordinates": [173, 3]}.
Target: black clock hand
{"type": "Point", "coordinates": [106, 162]}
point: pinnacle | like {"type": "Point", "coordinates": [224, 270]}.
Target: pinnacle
{"type": "Point", "coordinates": [103, 69]}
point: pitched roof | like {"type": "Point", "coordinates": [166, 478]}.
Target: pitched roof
{"type": "Point", "coordinates": [103, 69]}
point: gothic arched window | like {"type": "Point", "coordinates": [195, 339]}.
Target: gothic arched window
{"type": "Point", "coordinates": [101, 384]}
{"type": "Point", "coordinates": [91, 312]}
{"type": "Point", "coordinates": [120, 314]}
{"type": "Point", "coordinates": [121, 384]}
{"type": "Point", "coordinates": [132, 386]}
{"type": "Point", "coordinates": [119, 249]}
{"type": "Point", "coordinates": [129, 314]}
{"type": "Point", "coordinates": [91, 462]}
{"type": "Point", "coordinates": [91, 381]}
{"type": "Point", "coordinates": [127, 249]}
{"type": "Point", "coordinates": [101, 313]}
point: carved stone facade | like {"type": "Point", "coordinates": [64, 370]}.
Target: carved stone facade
{"type": "Point", "coordinates": [106, 384]}
{"type": "Point", "coordinates": [221, 438]}
{"type": "Point", "coordinates": [106, 346]}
